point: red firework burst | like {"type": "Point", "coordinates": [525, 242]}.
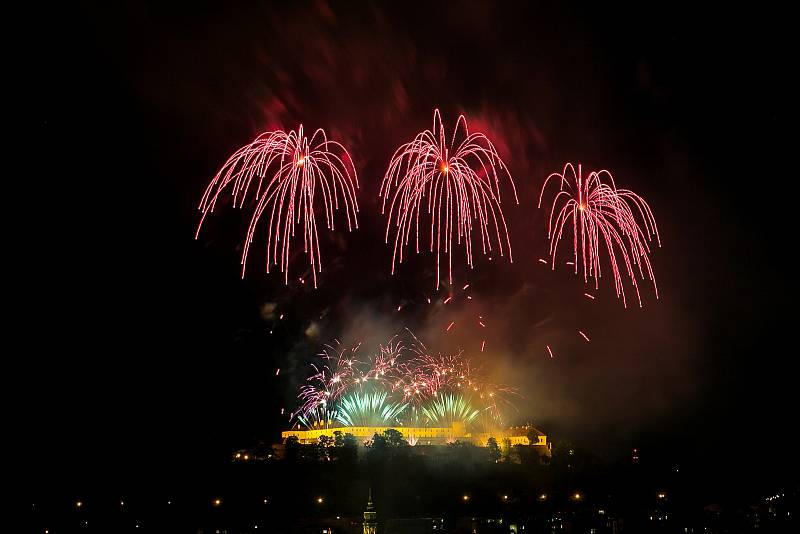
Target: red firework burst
{"type": "Point", "coordinates": [602, 216]}
{"type": "Point", "coordinates": [453, 184]}
{"type": "Point", "coordinates": [293, 172]}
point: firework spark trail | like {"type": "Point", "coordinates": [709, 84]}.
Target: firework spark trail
{"type": "Point", "coordinates": [601, 214]}
{"type": "Point", "coordinates": [449, 409]}
{"type": "Point", "coordinates": [406, 372]}
{"type": "Point", "coordinates": [454, 184]}
{"type": "Point", "coordinates": [368, 409]}
{"type": "Point", "coordinates": [292, 172]}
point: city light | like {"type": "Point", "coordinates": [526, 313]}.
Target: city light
{"type": "Point", "coordinates": [217, 502]}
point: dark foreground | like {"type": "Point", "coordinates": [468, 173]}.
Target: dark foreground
{"type": "Point", "coordinates": [461, 489]}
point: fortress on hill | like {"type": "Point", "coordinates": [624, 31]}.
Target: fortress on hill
{"type": "Point", "coordinates": [520, 435]}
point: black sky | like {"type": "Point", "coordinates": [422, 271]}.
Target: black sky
{"type": "Point", "coordinates": [143, 348]}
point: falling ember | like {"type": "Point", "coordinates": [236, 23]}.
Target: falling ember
{"type": "Point", "coordinates": [400, 307]}
{"type": "Point", "coordinates": [453, 186]}
{"type": "Point", "coordinates": [280, 318]}
{"type": "Point", "coordinates": [465, 287]}
{"type": "Point", "coordinates": [549, 350]}
{"type": "Point", "coordinates": [323, 178]}
{"type": "Point", "coordinates": [570, 263]}
{"type": "Point", "coordinates": [448, 299]}
{"type": "Point", "coordinates": [278, 371]}
{"type": "Point", "coordinates": [482, 324]}
{"type": "Point", "coordinates": [584, 335]}
{"type": "Point", "coordinates": [483, 345]}
{"type": "Point", "coordinates": [450, 326]}
{"type": "Point", "coordinates": [589, 296]}
{"type": "Point", "coordinates": [281, 411]}
{"type": "Point", "coordinates": [603, 217]}
{"type": "Point", "coordinates": [542, 260]}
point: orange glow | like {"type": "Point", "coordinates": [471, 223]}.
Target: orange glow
{"type": "Point", "coordinates": [217, 502]}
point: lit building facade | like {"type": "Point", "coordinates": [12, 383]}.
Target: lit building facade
{"type": "Point", "coordinates": [429, 435]}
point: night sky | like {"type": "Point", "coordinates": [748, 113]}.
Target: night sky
{"type": "Point", "coordinates": [144, 352]}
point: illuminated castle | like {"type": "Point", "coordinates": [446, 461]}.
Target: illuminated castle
{"type": "Point", "coordinates": [430, 435]}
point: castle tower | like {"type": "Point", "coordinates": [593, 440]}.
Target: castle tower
{"type": "Point", "coordinates": [370, 522]}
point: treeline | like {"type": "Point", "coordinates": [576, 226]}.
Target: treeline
{"type": "Point", "coordinates": [391, 445]}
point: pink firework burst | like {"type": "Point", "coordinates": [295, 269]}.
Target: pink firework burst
{"type": "Point", "coordinates": [602, 216]}
{"type": "Point", "coordinates": [453, 185]}
{"type": "Point", "coordinates": [293, 175]}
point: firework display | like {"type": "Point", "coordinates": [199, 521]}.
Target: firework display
{"type": "Point", "coordinates": [443, 190]}
{"type": "Point", "coordinates": [399, 384]}
{"type": "Point", "coordinates": [602, 217]}
{"type": "Point", "coordinates": [448, 409]}
{"type": "Point", "coordinates": [293, 175]}
{"type": "Point", "coordinates": [449, 186]}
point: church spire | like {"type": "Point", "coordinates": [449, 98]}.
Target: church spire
{"type": "Point", "coordinates": [370, 522]}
